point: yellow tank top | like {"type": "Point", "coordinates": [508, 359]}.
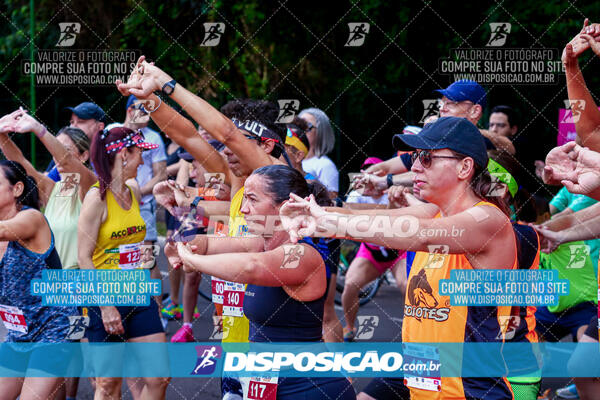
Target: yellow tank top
{"type": "Point", "coordinates": [429, 318]}
{"type": "Point", "coordinates": [120, 236]}
{"type": "Point", "coordinates": [237, 328]}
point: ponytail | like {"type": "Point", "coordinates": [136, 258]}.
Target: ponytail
{"type": "Point", "coordinates": [14, 173]}
{"type": "Point", "coordinates": [283, 180]}
{"type": "Point", "coordinates": [320, 192]}
{"type": "Point", "coordinates": [482, 186]}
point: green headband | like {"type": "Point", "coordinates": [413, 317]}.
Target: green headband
{"type": "Point", "coordinates": [503, 176]}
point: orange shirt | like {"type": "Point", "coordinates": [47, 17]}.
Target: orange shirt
{"type": "Point", "coordinates": [429, 318]}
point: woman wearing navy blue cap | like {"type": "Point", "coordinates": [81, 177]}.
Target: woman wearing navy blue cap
{"type": "Point", "coordinates": [475, 233]}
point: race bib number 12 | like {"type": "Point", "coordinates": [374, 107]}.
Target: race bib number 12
{"type": "Point", "coordinates": [129, 255]}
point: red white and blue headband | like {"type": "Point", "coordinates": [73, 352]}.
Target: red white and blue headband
{"type": "Point", "coordinates": [135, 138]}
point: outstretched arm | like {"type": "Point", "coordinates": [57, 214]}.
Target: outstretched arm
{"type": "Point", "coordinates": [12, 152]}
{"type": "Point", "coordinates": [391, 166]}
{"type": "Point", "coordinates": [551, 238]}
{"type": "Point", "coordinates": [467, 232]}
{"type": "Point", "coordinates": [567, 221]}
{"type": "Point", "coordinates": [21, 227]}
{"type": "Point", "coordinates": [219, 126]}
{"type": "Point", "coordinates": [588, 122]}
{"type": "Point", "coordinates": [297, 266]}
{"type": "Point", "coordinates": [183, 132]}
{"type": "Point", "coordinates": [70, 164]}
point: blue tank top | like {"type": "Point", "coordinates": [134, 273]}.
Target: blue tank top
{"type": "Point", "coordinates": [275, 317]}
{"type": "Point", "coordinates": [17, 268]}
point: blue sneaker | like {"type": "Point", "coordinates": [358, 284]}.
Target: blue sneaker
{"type": "Point", "coordinates": [568, 392]}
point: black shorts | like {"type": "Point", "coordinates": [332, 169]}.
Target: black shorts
{"type": "Point", "coordinates": [387, 388]}
{"type": "Point", "coordinates": [554, 326]}
{"type": "Point", "coordinates": [137, 322]}
{"type": "Point", "coordinates": [592, 329]}
{"type": "Point", "coordinates": [334, 256]}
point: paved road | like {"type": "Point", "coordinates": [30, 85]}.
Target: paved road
{"type": "Point", "coordinates": [386, 307]}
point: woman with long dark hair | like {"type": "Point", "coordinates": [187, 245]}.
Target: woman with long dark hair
{"type": "Point", "coordinates": [27, 249]}
{"type": "Point", "coordinates": [110, 224]}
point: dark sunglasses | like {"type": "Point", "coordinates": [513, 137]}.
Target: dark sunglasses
{"type": "Point", "coordinates": [425, 157]}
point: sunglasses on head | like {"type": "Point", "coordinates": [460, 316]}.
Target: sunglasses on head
{"type": "Point", "coordinates": [425, 157]}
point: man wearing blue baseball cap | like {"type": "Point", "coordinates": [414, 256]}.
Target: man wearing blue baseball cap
{"type": "Point", "coordinates": [467, 99]}
{"type": "Point", "coordinates": [464, 99]}
{"type": "Point", "coordinates": [88, 117]}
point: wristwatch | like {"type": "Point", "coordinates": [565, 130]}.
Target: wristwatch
{"type": "Point", "coordinates": [168, 87]}
{"type": "Point", "coordinates": [390, 180]}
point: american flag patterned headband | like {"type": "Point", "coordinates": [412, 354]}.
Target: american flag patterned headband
{"type": "Point", "coordinates": [133, 139]}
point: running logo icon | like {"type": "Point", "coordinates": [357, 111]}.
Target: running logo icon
{"type": "Point", "coordinates": [207, 359]}
{"type": "Point", "coordinates": [212, 33]}
{"type": "Point", "coordinates": [68, 33]}
{"type": "Point", "coordinates": [140, 111]}
{"type": "Point", "coordinates": [431, 108]}
{"type": "Point", "coordinates": [358, 33]}
{"type": "Point", "coordinates": [287, 110]}
{"type": "Point", "coordinates": [292, 255]}
{"type": "Point", "coordinates": [499, 34]}
{"type": "Point", "coordinates": [212, 183]}
{"type": "Point", "coordinates": [191, 219]}
{"type": "Point", "coordinates": [437, 255]}
{"type": "Point", "coordinates": [498, 188]}
{"type": "Point", "coordinates": [579, 255]}
{"type": "Point", "coordinates": [508, 325]}
{"type": "Point", "coordinates": [366, 326]}
{"type": "Point", "coordinates": [69, 184]}
{"type": "Point", "coordinates": [221, 329]}
{"type": "Point", "coordinates": [574, 110]}
{"type": "Point", "coordinates": [77, 326]}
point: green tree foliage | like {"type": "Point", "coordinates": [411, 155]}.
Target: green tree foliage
{"type": "Point", "coordinates": [290, 49]}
